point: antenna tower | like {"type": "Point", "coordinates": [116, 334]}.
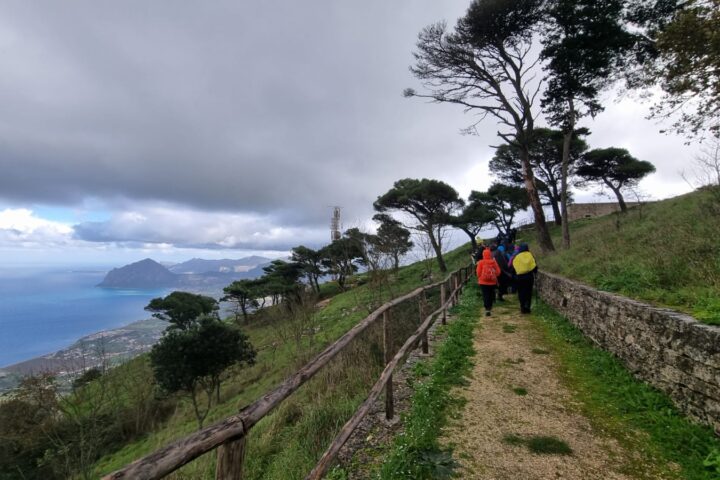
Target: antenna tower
{"type": "Point", "coordinates": [335, 224]}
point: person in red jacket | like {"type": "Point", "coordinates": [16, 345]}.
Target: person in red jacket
{"type": "Point", "coordinates": [488, 271]}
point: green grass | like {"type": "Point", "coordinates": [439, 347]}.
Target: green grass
{"type": "Point", "coordinates": [540, 351]}
{"type": "Point", "coordinates": [642, 418]}
{"type": "Point", "coordinates": [667, 254]}
{"type": "Point", "coordinates": [509, 327]}
{"type": "Point", "coordinates": [542, 445]}
{"type": "Point", "coordinates": [416, 453]}
{"type": "Point", "coordinates": [288, 442]}
{"type": "Point", "coordinates": [520, 391]}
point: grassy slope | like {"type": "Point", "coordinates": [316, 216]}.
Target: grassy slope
{"type": "Point", "coordinates": [668, 254]}
{"type": "Point", "coordinates": [286, 444]}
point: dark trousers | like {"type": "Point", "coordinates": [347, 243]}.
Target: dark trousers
{"type": "Point", "coordinates": [488, 293]}
{"type": "Point", "coordinates": [524, 285]}
{"type": "Point", "coordinates": [504, 283]}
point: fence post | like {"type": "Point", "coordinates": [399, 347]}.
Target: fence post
{"type": "Point", "coordinates": [424, 336]}
{"type": "Point", "coordinates": [456, 293]}
{"type": "Point", "coordinates": [230, 458]}
{"type": "Point", "coordinates": [387, 347]}
{"type": "Point", "coordinates": [442, 303]}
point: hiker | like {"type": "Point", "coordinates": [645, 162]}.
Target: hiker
{"type": "Point", "coordinates": [488, 272]}
{"type": "Point", "coordinates": [525, 268]}
{"type": "Point", "coordinates": [505, 277]}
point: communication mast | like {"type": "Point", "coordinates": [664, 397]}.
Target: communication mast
{"type": "Point", "coordinates": [335, 224]}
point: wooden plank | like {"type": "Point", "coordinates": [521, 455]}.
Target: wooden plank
{"type": "Point", "coordinates": [423, 336]}
{"type": "Point", "coordinates": [387, 347]}
{"type": "Point", "coordinates": [442, 303]}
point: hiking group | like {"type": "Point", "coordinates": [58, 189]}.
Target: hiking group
{"type": "Point", "coordinates": [503, 267]}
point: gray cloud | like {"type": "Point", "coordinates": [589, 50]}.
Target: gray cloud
{"type": "Point", "coordinates": [266, 110]}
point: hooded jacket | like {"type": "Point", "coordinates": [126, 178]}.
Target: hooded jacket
{"type": "Point", "coordinates": [487, 269]}
{"type": "Point", "coordinates": [499, 257]}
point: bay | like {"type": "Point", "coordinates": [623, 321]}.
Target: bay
{"type": "Point", "coordinates": [44, 310]}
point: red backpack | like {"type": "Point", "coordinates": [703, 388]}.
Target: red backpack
{"type": "Point", "coordinates": [487, 273]}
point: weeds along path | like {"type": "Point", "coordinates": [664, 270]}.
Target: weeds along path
{"type": "Point", "coordinates": [520, 421]}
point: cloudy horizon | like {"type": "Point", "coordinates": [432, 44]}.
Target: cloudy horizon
{"type": "Point", "coordinates": [177, 130]}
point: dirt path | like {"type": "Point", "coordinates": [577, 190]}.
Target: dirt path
{"type": "Point", "coordinates": [515, 396]}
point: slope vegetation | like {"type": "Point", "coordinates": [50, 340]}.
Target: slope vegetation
{"type": "Point", "coordinates": [287, 443]}
{"type": "Point", "coordinates": [666, 253]}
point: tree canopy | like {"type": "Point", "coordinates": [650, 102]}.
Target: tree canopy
{"type": "Point", "coordinates": [244, 294]}
{"type": "Point", "coordinates": [192, 360]}
{"type": "Point", "coordinates": [614, 168]}
{"type": "Point", "coordinates": [546, 153]}
{"type": "Point", "coordinates": [429, 202]}
{"type": "Point", "coordinates": [685, 62]}
{"type": "Point", "coordinates": [392, 238]}
{"type": "Point", "coordinates": [310, 262]}
{"type": "Point", "coordinates": [182, 309]}
{"type": "Point", "coordinates": [474, 217]}
{"type": "Point", "coordinates": [504, 201]}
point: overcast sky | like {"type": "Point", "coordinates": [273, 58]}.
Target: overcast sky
{"type": "Point", "coordinates": [174, 129]}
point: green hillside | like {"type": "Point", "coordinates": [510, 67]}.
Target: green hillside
{"type": "Point", "coordinates": [666, 253]}
{"type": "Point", "coordinates": [287, 443]}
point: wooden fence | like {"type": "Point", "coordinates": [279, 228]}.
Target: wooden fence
{"type": "Point", "coordinates": [229, 435]}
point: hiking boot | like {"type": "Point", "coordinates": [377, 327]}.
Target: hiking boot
{"type": "Point", "coordinates": [487, 313]}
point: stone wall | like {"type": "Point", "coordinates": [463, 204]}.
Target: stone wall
{"type": "Point", "coordinates": [671, 351]}
{"type": "Point", "coordinates": [577, 211]}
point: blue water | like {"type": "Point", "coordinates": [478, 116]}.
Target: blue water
{"type": "Point", "coordinates": [44, 311]}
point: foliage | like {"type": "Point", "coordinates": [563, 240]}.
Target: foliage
{"type": "Point", "coordinates": [614, 168]}
{"type": "Point", "coordinates": [182, 309]}
{"type": "Point", "coordinates": [625, 406]}
{"type": "Point", "coordinates": [244, 294]}
{"type": "Point", "coordinates": [585, 44]}
{"type": "Point", "coordinates": [340, 257]}
{"type": "Point", "coordinates": [282, 280]}
{"type": "Point", "coordinates": [311, 264]}
{"type": "Point", "coordinates": [504, 201]}
{"type": "Point", "coordinates": [416, 453]}
{"type": "Point", "coordinates": [392, 239]}
{"type": "Point", "coordinates": [687, 67]}
{"type": "Point", "coordinates": [429, 202]}
{"type": "Point", "coordinates": [546, 159]}
{"type": "Point", "coordinates": [193, 359]}
{"type": "Point", "coordinates": [86, 377]}
{"type": "Point", "coordinates": [473, 218]}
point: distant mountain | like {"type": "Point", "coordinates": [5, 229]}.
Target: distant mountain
{"type": "Point", "coordinates": [193, 274]}
{"type": "Point", "coordinates": [199, 265]}
{"type": "Point", "coordinates": [143, 274]}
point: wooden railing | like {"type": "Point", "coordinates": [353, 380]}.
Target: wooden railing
{"type": "Point", "coordinates": [228, 436]}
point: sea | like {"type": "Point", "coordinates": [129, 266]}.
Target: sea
{"type": "Point", "coordinates": [45, 310]}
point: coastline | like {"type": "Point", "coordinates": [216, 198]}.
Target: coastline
{"type": "Point", "coordinates": [106, 347]}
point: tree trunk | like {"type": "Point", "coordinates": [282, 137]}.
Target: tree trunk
{"type": "Point", "coordinates": [567, 141]}
{"type": "Point", "coordinates": [557, 215]}
{"type": "Point", "coordinates": [473, 242]}
{"type": "Point", "coordinates": [543, 234]}
{"type": "Point", "coordinates": [436, 247]}
{"type": "Point", "coordinates": [618, 194]}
